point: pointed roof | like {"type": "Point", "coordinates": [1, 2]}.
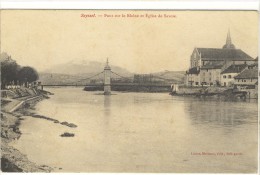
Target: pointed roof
{"type": "Point", "coordinates": [107, 65]}
{"type": "Point", "coordinates": [229, 44]}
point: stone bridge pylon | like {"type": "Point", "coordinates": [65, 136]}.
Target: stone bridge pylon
{"type": "Point", "coordinates": [107, 79]}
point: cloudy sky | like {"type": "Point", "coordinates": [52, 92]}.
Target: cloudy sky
{"type": "Point", "coordinates": [43, 38]}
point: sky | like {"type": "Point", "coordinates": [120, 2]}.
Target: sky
{"type": "Point", "coordinates": [43, 38]}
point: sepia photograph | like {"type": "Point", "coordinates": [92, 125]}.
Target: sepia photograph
{"type": "Point", "coordinates": [129, 91]}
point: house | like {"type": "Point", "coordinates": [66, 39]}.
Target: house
{"type": "Point", "coordinates": [210, 62]}
{"type": "Point", "coordinates": [193, 76]}
{"type": "Point", "coordinates": [247, 79]}
{"type": "Point", "coordinates": [210, 74]}
{"type": "Point", "coordinates": [255, 65]}
{"type": "Point", "coordinates": [227, 76]}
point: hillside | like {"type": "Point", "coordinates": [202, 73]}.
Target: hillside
{"type": "Point", "coordinates": [83, 67]}
{"type": "Point", "coordinates": [77, 73]}
{"type": "Point", "coordinates": [65, 79]}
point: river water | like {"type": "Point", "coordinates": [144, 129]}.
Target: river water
{"type": "Point", "coordinates": [141, 132]}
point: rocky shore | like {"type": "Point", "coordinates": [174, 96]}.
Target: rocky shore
{"type": "Point", "coordinates": [12, 160]}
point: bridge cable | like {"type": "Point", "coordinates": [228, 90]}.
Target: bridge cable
{"type": "Point", "coordinates": [121, 76]}
{"type": "Point", "coordinates": [91, 76]}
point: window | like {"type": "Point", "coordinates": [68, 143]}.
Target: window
{"type": "Point", "coordinates": [229, 76]}
{"type": "Point", "coordinates": [197, 83]}
{"type": "Point", "coordinates": [224, 76]}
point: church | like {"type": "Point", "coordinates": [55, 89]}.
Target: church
{"type": "Point", "coordinates": [206, 64]}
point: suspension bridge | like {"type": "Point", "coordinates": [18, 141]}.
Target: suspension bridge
{"type": "Point", "coordinates": [108, 81]}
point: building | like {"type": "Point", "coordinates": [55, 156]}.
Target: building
{"type": "Point", "coordinates": [210, 74]}
{"type": "Point", "coordinates": [227, 76]}
{"type": "Point", "coordinates": [255, 65]}
{"type": "Point", "coordinates": [247, 79]}
{"type": "Point", "coordinates": [210, 62]}
{"type": "Point", "coordinates": [193, 77]}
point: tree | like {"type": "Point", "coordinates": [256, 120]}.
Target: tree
{"type": "Point", "coordinates": [27, 74]}
{"type": "Point", "coordinates": [9, 70]}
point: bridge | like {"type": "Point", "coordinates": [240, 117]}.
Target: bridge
{"type": "Point", "coordinates": [108, 81]}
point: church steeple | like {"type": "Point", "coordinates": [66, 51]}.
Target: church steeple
{"type": "Point", "coordinates": [229, 44]}
{"type": "Point", "coordinates": [228, 41]}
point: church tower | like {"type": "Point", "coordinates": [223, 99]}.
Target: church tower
{"type": "Point", "coordinates": [229, 44]}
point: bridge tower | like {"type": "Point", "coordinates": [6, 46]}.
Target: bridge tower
{"type": "Point", "coordinates": [107, 79]}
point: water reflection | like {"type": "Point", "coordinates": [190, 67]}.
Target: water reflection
{"type": "Point", "coordinates": [107, 104]}
{"type": "Point", "coordinates": [107, 111]}
{"type": "Point", "coordinates": [220, 113]}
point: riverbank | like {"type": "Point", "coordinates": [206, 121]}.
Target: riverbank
{"type": "Point", "coordinates": [12, 160]}
{"type": "Point", "coordinates": [221, 93]}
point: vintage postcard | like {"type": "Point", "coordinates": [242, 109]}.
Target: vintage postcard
{"type": "Point", "coordinates": [139, 91]}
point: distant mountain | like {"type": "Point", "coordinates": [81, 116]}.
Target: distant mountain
{"type": "Point", "coordinates": [59, 79]}
{"type": "Point", "coordinates": [77, 72]}
{"type": "Point", "coordinates": [177, 76]}
{"type": "Point", "coordinates": [81, 79]}
{"type": "Point", "coordinates": [84, 67]}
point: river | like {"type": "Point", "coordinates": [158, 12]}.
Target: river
{"type": "Point", "coordinates": [141, 132]}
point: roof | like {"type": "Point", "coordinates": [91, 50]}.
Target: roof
{"type": "Point", "coordinates": [234, 68]}
{"type": "Point", "coordinates": [253, 65]}
{"type": "Point", "coordinates": [223, 54]}
{"type": "Point", "coordinates": [212, 65]}
{"type": "Point", "coordinates": [193, 70]}
{"type": "Point", "coordinates": [248, 73]}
